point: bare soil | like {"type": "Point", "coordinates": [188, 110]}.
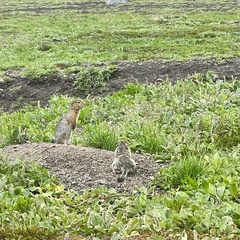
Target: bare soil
{"type": "Point", "coordinates": [79, 167]}
{"type": "Point", "coordinates": [18, 91]}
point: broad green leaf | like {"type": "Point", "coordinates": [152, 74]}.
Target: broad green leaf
{"type": "Point", "coordinates": [233, 189]}
{"type": "Point", "coordinates": [206, 186]}
{"type": "Point", "coordinates": [221, 190]}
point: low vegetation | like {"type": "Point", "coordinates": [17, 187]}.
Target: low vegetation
{"type": "Point", "coordinates": [93, 78]}
{"type": "Point", "coordinates": [194, 123]}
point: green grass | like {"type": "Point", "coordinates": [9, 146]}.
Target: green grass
{"type": "Point", "coordinates": [194, 123]}
{"type": "Point", "coordinates": [56, 40]}
{"type": "Point", "coordinates": [167, 121]}
{"type": "Point", "coordinates": [33, 204]}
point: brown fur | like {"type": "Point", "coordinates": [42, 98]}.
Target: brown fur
{"type": "Point", "coordinates": [123, 163]}
{"type": "Point", "coordinates": [67, 123]}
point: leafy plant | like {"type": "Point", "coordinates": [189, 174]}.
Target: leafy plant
{"type": "Point", "coordinates": [208, 77]}
{"type": "Point", "coordinates": [227, 130]}
{"type": "Point", "coordinates": [93, 78]}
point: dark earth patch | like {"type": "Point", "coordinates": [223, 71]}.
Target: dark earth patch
{"type": "Point", "coordinates": [80, 167]}
{"type": "Point", "coordinates": [18, 91]}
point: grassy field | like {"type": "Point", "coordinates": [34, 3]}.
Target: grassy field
{"type": "Point", "coordinates": [39, 42]}
{"type": "Point", "coordinates": [194, 123]}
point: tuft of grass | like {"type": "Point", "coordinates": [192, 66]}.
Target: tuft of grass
{"type": "Point", "coordinates": [93, 78]}
{"type": "Point", "coordinates": [99, 136]}
{"type": "Point", "coordinates": [182, 173]}
{"type": "Point", "coordinates": [147, 137]}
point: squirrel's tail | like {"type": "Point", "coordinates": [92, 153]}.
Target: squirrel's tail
{"type": "Point", "coordinates": [124, 174]}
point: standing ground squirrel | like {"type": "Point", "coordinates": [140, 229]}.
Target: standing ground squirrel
{"type": "Point", "coordinates": [123, 163]}
{"type": "Point", "coordinates": [67, 123]}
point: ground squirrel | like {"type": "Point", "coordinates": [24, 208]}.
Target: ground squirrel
{"type": "Point", "coordinates": [67, 123]}
{"type": "Point", "coordinates": [123, 163]}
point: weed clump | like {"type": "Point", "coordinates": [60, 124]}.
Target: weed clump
{"type": "Point", "coordinates": [93, 78]}
{"type": "Point", "coordinates": [185, 172]}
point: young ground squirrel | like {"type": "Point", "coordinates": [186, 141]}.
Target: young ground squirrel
{"type": "Point", "coordinates": [67, 123]}
{"type": "Point", "coordinates": [123, 163]}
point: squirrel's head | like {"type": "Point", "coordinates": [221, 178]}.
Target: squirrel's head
{"type": "Point", "coordinates": [77, 105]}
{"type": "Point", "coordinates": [123, 143]}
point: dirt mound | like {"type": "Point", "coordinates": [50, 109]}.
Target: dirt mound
{"type": "Point", "coordinates": [82, 168]}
